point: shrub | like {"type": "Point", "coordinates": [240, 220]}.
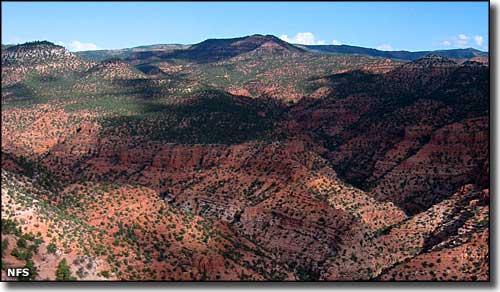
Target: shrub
{"type": "Point", "coordinates": [30, 265]}
{"type": "Point", "coordinates": [51, 248]}
{"type": "Point", "coordinates": [21, 242]}
{"type": "Point", "coordinates": [63, 272]}
{"type": "Point", "coordinates": [5, 244]}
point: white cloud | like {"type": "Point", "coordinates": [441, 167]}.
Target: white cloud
{"type": "Point", "coordinates": [385, 47]}
{"type": "Point", "coordinates": [478, 40]}
{"type": "Point", "coordinates": [336, 42]}
{"type": "Point", "coordinates": [446, 43]}
{"type": "Point", "coordinates": [463, 41]}
{"type": "Point", "coordinates": [76, 46]}
{"type": "Point", "coordinates": [302, 38]}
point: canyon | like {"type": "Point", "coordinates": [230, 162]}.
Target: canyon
{"type": "Point", "coordinates": [245, 159]}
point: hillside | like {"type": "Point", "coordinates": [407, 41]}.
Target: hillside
{"type": "Point", "coordinates": [101, 55]}
{"type": "Point", "coordinates": [399, 55]}
{"type": "Point", "coordinates": [210, 46]}
{"type": "Point", "coordinates": [388, 136]}
{"type": "Point", "coordinates": [244, 159]}
{"type": "Point", "coordinates": [44, 59]}
{"type": "Point", "coordinates": [218, 49]}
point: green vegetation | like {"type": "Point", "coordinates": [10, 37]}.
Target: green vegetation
{"type": "Point", "coordinates": [214, 117]}
{"type": "Point", "coordinates": [28, 45]}
{"type": "Point", "coordinates": [51, 248]}
{"type": "Point", "coordinates": [33, 272]}
{"type": "Point", "coordinates": [63, 272]}
{"type": "Point", "coordinates": [10, 227]}
{"type": "Point", "coordinates": [307, 273]}
{"type": "Point", "coordinates": [72, 179]}
{"type": "Point", "coordinates": [5, 245]}
{"type": "Point", "coordinates": [105, 274]}
{"type": "Point", "coordinates": [21, 242]}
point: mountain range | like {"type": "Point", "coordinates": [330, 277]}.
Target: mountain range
{"type": "Point", "coordinates": [245, 159]}
{"type": "Point", "coordinates": [466, 53]}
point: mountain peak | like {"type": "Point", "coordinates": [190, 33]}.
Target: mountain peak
{"type": "Point", "coordinates": [433, 60]}
{"type": "Point", "coordinates": [42, 57]}
{"type": "Point", "coordinates": [271, 42]}
{"type": "Point", "coordinates": [218, 49]}
{"type": "Point", "coordinates": [34, 46]}
{"type": "Point", "coordinates": [34, 52]}
{"type": "Point", "coordinates": [268, 37]}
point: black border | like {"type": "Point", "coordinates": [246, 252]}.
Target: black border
{"type": "Point", "coordinates": [392, 284]}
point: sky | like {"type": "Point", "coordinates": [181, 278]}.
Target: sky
{"type": "Point", "coordinates": [383, 25]}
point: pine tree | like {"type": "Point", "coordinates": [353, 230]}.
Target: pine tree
{"type": "Point", "coordinates": [63, 272]}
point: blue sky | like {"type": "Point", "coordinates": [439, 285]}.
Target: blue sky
{"type": "Point", "coordinates": [391, 25]}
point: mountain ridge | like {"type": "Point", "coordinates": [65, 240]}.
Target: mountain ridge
{"type": "Point", "coordinates": [99, 55]}
{"type": "Point", "coordinates": [458, 53]}
{"type": "Point", "coordinates": [245, 159]}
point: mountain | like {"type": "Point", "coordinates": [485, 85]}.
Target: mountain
{"type": "Point", "coordinates": [252, 66]}
{"type": "Point", "coordinates": [400, 55]}
{"type": "Point", "coordinates": [101, 55]}
{"type": "Point", "coordinates": [245, 159]}
{"type": "Point", "coordinates": [411, 117]}
{"type": "Point", "coordinates": [208, 50]}
{"type": "Point", "coordinates": [38, 64]}
{"type": "Point", "coordinates": [218, 49]}
{"type": "Point", "coordinates": [45, 58]}
{"type": "Point", "coordinates": [212, 50]}
{"type": "Point", "coordinates": [6, 46]}
{"type": "Point", "coordinates": [38, 53]}
{"type": "Point", "coordinates": [111, 69]}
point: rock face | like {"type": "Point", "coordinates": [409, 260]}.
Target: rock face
{"type": "Point", "coordinates": [378, 170]}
